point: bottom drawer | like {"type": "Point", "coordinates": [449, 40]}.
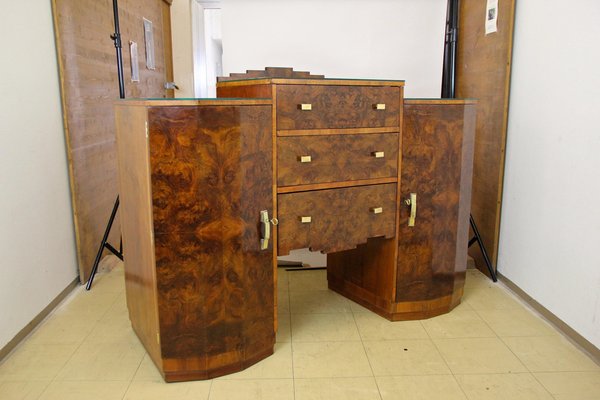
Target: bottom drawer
{"type": "Point", "coordinates": [335, 219]}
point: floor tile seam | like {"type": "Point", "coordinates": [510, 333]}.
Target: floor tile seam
{"type": "Point", "coordinates": [503, 343]}
{"type": "Point", "coordinates": [212, 381]}
{"type": "Point", "coordinates": [227, 378]}
{"type": "Point", "coordinates": [321, 313]}
{"type": "Point", "coordinates": [541, 384]}
{"type": "Point", "coordinates": [515, 354]}
{"type": "Point", "coordinates": [328, 341]}
{"type": "Point", "coordinates": [555, 332]}
{"type": "Point", "coordinates": [445, 361]}
{"type": "Point", "coordinates": [291, 347]}
{"type": "Point", "coordinates": [422, 339]}
{"type": "Point", "coordinates": [493, 331]}
{"type": "Point", "coordinates": [133, 377]}
{"type": "Point", "coordinates": [38, 328]}
{"type": "Point", "coordinates": [367, 357]}
{"type": "Point", "coordinates": [335, 377]}
{"type": "Point", "coordinates": [48, 384]}
{"type": "Point", "coordinates": [53, 379]}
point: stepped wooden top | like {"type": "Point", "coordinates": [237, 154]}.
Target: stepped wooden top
{"type": "Point", "coordinates": [270, 72]}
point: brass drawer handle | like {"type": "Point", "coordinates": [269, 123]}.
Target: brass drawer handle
{"type": "Point", "coordinates": [412, 202]}
{"type": "Point", "coordinates": [305, 219]}
{"type": "Point", "coordinates": [265, 229]}
{"type": "Point", "coordinates": [378, 154]}
{"type": "Point", "coordinates": [379, 106]}
{"type": "Point", "coordinates": [376, 210]}
{"type": "Point", "coordinates": [305, 159]}
{"type": "Point", "coordinates": [305, 106]}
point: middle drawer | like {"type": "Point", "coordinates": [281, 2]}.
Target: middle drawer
{"type": "Point", "coordinates": [311, 159]}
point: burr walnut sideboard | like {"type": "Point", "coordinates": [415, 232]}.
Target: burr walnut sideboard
{"type": "Point", "coordinates": [213, 190]}
{"type": "Point", "coordinates": [379, 183]}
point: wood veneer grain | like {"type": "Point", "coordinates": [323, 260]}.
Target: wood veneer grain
{"type": "Point", "coordinates": [135, 190]}
{"type": "Point", "coordinates": [336, 107]}
{"type": "Point", "coordinates": [437, 150]}
{"type": "Point", "coordinates": [211, 175]}
{"type": "Point", "coordinates": [336, 158]}
{"type": "Point", "coordinates": [341, 218]}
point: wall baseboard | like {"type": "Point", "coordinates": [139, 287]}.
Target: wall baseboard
{"type": "Point", "coordinates": [10, 346]}
{"type": "Point", "coordinates": [585, 345]}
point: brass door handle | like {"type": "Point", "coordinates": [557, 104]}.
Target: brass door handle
{"type": "Point", "coordinates": [265, 229]}
{"type": "Point", "coordinates": [376, 210]}
{"type": "Point", "coordinates": [378, 154]}
{"type": "Point", "coordinates": [305, 107]}
{"type": "Point", "coordinates": [412, 202]}
{"type": "Point", "coordinates": [379, 106]}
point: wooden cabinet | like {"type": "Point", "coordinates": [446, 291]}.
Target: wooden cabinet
{"type": "Point", "coordinates": [349, 168]}
{"type": "Point", "coordinates": [429, 268]}
{"type": "Point", "coordinates": [194, 178]}
{"type": "Point", "coordinates": [338, 142]}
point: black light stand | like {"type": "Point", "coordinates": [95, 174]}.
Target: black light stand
{"type": "Point", "coordinates": [116, 37]}
{"type": "Point", "coordinates": [448, 86]}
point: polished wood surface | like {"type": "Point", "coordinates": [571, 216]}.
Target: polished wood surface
{"type": "Point", "coordinates": [88, 78]}
{"type": "Point", "coordinates": [367, 268]}
{"type": "Point", "coordinates": [336, 158]}
{"type": "Point", "coordinates": [210, 174]}
{"type": "Point", "coordinates": [344, 131]}
{"type": "Point", "coordinates": [340, 218]}
{"type": "Point", "coordinates": [270, 72]}
{"type": "Point", "coordinates": [428, 273]}
{"type": "Point", "coordinates": [135, 191]}
{"type": "Point", "coordinates": [336, 106]}
{"type": "Point", "coordinates": [483, 71]}
{"type": "Point", "coordinates": [313, 82]}
{"type": "Point", "coordinates": [331, 185]}
{"type": "Point", "coordinates": [251, 92]}
{"type": "Point", "coordinates": [366, 274]}
{"type": "Point", "coordinates": [437, 149]}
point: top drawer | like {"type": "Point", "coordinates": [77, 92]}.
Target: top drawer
{"type": "Point", "coordinates": [335, 107]}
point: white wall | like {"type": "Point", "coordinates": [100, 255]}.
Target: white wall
{"type": "Point", "coordinates": [550, 230]}
{"type": "Point", "coordinates": [339, 38]}
{"type": "Point", "coordinates": [37, 245]}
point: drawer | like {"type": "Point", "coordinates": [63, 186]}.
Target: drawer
{"type": "Point", "coordinates": [336, 107]}
{"type": "Point", "coordinates": [333, 158]}
{"type": "Point", "coordinates": [335, 219]}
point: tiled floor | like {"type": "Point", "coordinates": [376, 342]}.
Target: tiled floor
{"type": "Point", "coordinates": [490, 347]}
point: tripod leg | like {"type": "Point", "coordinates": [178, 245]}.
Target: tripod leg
{"type": "Point", "coordinates": [88, 286]}
{"type": "Point", "coordinates": [486, 258]}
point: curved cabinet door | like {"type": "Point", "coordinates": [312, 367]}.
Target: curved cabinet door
{"type": "Point", "coordinates": [437, 165]}
{"type": "Point", "coordinates": [211, 173]}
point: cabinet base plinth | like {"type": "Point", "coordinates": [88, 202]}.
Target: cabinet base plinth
{"type": "Point", "coordinates": [197, 375]}
{"type": "Point", "coordinates": [402, 311]}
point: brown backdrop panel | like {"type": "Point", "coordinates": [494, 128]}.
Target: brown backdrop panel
{"type": "Point", "coordinates": [88, 73]}
{"type": "Point", "coordinates": [483, 72]}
